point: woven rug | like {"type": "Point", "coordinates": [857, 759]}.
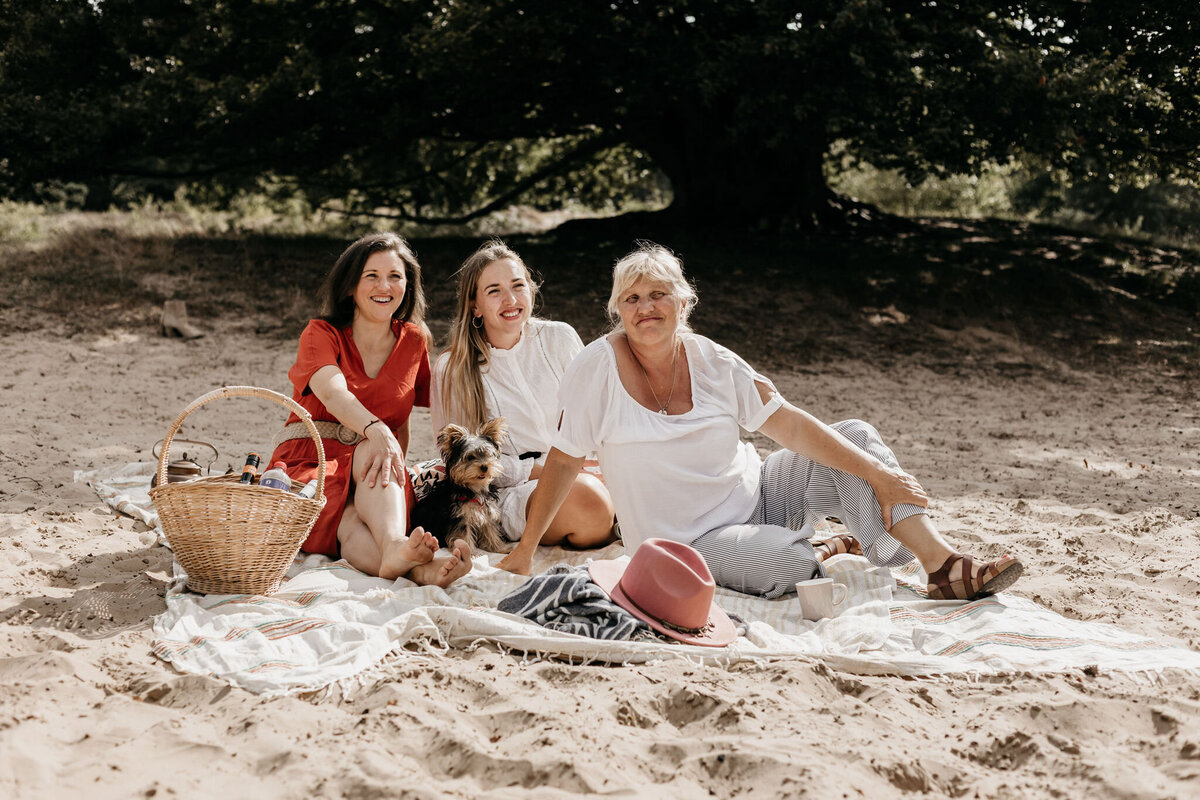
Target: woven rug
{"type": "Point", "coordinates": [331, 624]}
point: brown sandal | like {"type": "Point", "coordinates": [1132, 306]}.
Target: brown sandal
{"type": "Point", "coordinates": [974, 580]}
{"type": "Point", "coordinates": [836, 545]}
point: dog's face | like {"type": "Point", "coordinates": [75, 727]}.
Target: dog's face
{"type": "Point", "coordinates": [472, 459]}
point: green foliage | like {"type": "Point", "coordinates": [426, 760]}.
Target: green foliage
{"type": "Point", "coordinates": [1162, 212]}
{"type": "Point", "coordinates": [985, 193]}
{"type": "Point", "coordinates": [445, 112]}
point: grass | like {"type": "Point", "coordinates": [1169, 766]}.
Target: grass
{"type": "Point", "coordinates": [1155, 213]}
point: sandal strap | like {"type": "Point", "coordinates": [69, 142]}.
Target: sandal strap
{"type": "Point", "coordinates": [973, 580]}
{"type": "Point", "coordinates": [837, 545]}
{"type": "Point", "coordinates": [940, 579]}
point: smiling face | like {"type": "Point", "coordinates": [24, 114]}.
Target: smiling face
{"type": "Point", "coordinates": [649, 310]}
{"type": "Point", "coordinates": [381, 287]}
{"type": "Point", "coordinates": [503, 301]}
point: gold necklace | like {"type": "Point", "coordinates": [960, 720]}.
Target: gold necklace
{"type": "Point", "coordinates": [662, 407]}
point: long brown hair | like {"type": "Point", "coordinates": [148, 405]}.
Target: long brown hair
{"type": "Point", "coordinates": [337, 293]}
{"type": "Point", "coordinates": [468, 349]}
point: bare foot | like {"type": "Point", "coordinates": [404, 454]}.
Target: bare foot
{"type": "Point", "coordinates": [413, 550]}
{"type": "Point", "coordinates": [445, 570]}
{"type": "Point", "coordinates": [518, 562]}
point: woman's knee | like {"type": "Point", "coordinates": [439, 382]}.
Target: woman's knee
{"type": "Point", "coordinates": [590, 506]}
{"type": "Point", "coordinates": [593, 494]}
{"type": "Point", "coordinates": [858, 431]}
{"type": "Point", "coordinates": [359, 463]}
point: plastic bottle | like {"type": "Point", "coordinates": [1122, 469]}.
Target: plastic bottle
{"type": "Point", "coordinates": [276, 478]}
{"type": "Point", "coordinates": [251, 468]}
{"type": "Point", "coordinates": [310, 490]}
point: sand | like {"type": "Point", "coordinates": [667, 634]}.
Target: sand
{"type": "Point", "coordinates": [1093, 482]}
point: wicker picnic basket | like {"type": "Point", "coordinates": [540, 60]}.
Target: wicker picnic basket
{"type": "Point", "coordinates": [229, 537]}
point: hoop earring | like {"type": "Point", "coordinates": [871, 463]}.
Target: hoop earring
{"type": "Point", "coordinates": [477, 322]}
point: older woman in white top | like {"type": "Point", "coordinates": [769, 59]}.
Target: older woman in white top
{"type": "Point", "coordinates": [663, 407]}
{"type": "Point", "coordinates": [503, 362]}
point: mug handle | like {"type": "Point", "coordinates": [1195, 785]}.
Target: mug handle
{"type": "Point", "coordinates": [839, 587]}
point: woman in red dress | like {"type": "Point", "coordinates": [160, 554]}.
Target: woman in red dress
{"type": "Point", "coordinates": [360, 369]}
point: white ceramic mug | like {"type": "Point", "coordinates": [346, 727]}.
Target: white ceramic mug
{"type": "Point", "coordinates": [820, 598]}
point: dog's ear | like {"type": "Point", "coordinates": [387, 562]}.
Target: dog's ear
{"type": "Point", "coordinates": [450, 436]}
{"type": "Point", "coordinates": [494, 430]}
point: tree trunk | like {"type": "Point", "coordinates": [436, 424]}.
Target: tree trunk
{"type": "Point", "coordinates": [722, 180]}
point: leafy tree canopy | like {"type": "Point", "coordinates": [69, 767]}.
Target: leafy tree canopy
{"type": "Point", "coordinates": [442, 110]}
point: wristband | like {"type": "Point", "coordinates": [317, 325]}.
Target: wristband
{"type": "Point", "coordinates": [369, 424]}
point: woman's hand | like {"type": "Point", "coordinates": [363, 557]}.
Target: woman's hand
{"type": "Point", "coordinates": [384, 453]}
{"type": "Point", "coordinates": [894, 486]}
{"type": "Point", "coordinates": [384, 457]}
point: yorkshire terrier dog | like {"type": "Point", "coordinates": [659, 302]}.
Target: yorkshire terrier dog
{"type": "Point", "coordinates": [465, 505]}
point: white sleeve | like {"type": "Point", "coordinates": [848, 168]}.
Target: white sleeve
{"type": "Point", "coordinates": [562, 344]}
{"type": "Point", "coordinates": [575, 345]}
{"type": "Point", "coordinates": [747, 405]}
{"type": "Point", "coordinates": [514, 470]}
{"type": "Point", "coordinates": [580, 405]}
{"type": "Point", "coordinates": [436, 414]}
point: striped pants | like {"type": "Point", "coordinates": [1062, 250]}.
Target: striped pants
{"type": "Point", "coordinates": [771, 553]}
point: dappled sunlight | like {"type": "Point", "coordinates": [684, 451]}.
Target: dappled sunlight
{"type": "Point", "coordinates": [885, 316]}
{"type": "Point", "coordinates": [114, 337]}
{"type": "Point", "coordinates": [1088, 460]}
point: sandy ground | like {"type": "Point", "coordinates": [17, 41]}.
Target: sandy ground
{"type": "Point", "coordinates": [1093, 481]}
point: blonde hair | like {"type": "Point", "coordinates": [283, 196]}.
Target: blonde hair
{"type": "Point", "coordinates": [468, 348]}
{"type": "Point", "coordinates": [656, 263]}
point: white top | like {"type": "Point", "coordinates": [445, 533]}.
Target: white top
{"type": "Point", "coordinates": [672, 476]}
{"type": "Point", "coordinates": [521, 385]}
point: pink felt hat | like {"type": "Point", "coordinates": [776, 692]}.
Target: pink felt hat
{"type": "Point", "coordinates": [668, 586]}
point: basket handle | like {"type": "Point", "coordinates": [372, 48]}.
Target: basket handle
{"type": "Point", "coordinates": [246, 391]}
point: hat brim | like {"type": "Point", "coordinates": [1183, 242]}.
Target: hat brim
{"type": "Point", "coordinates": [719, 632]}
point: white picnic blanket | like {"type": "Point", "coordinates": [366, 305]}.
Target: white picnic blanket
{"type": "Point", "coordinates": [125, 490]}
{"type": "Point", "coordinates": [330, 624]}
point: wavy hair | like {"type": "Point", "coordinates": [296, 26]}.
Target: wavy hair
{"type": "Point", "coordinates": [468, 348]}
{"type": "Point", "coordinates": [337, 292]}
{"type": "Point", "coordinates": [657, 263]}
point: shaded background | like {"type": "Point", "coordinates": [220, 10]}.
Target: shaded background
{"type": "Point", "coordinates": [839, 168]}
{"type": "Point", "coordinates": [737, 114]}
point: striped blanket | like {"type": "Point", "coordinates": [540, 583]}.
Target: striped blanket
{"type": "Point", "coordinates": [566, 599]}
{"type": "Point", "coordinates": [331, 624]}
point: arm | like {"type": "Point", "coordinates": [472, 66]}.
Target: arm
{"type": "Point", "coordinates": [385, 457]}
{"type": "Point", "coordinates": [800, 432]}
{"type": "Point", "coordinates": [554, 484]}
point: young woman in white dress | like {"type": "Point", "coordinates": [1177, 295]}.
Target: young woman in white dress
{"type": "Point", "coordinates": [501, 361]}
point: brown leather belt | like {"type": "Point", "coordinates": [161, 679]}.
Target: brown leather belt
{"type": "Point", "coordinates": [328, 430]}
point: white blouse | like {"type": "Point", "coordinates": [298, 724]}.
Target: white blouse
{"type": "Point", "coordinates": [521, 385]}
{"type": "Point", "coordinates": [674, 476]}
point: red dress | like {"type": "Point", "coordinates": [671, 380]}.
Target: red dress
{"type": "Point", "coordinates": [402, 382]}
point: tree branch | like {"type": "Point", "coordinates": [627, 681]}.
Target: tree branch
{"type": "Point", "coordinates": [561, 165]}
